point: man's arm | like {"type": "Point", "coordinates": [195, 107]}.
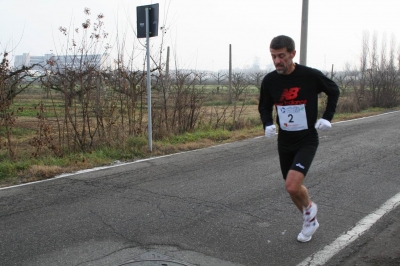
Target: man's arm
{"type": "Point", "coordinates": [330, 88]}
{"type": "Point", "coordinates": [265, 106]}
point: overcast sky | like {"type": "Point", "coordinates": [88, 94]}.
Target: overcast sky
{"type": "Point", "coordinates": [199, 31]}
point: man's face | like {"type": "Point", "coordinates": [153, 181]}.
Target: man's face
{"type": "Point", "coordinates": [283, 60]}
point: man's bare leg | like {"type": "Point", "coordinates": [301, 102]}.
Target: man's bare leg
{"type": "Point", "coordinates": [297, 191]}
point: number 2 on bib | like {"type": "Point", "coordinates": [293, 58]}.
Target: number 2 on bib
{"type": "Point", "coordinates": [292, 117]}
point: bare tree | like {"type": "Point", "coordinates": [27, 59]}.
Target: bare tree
{"type": "Point", "coordinates": [390, 84]}
{"type": "Point", "coordinates": [219, 78]}
{"type": "Point", "coordinates": [256, 78]}
{"type": "Point", "coordinates": [77, 76]}
{"type": "Point", "coordinates": [202, 76]}
{"type": "Point", "coordinates": [12, 83]}
{"type": "Point", "coordinates": [345, 79]}
{"type": "Point", "coordinates": [240, 84]}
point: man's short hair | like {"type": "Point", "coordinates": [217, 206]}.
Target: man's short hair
{"type": "Point", "coordinates": [282, 41]}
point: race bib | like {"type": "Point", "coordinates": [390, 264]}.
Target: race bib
{"type": "Point", "coordinates": [292, 117]}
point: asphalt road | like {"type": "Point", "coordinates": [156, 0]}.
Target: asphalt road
{"type": "Point", "coordinates": [223, 206]}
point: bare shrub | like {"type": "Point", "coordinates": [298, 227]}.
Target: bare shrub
{"type": "Point", "coordinates": [184, 104]}
{"type": "Point", "coordinates": [44, 135]}
{"type": "Point", "coordinates": [347, 105]}
{"type": "Point", "coordinates": [12, 83]}
{"type": "Point", "coordinates": [76, 75]}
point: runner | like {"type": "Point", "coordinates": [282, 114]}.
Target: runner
{"type": "Point", "coordinates": [294, 89]}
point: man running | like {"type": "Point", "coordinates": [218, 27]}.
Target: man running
{"type": "Point", "coordinates": [294, 89]}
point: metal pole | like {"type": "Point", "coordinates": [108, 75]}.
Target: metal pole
{"type": "Point", "coordinates": [304, 30]}
{"type": "Point", "coordinates": [166, 88]}
{"type": "Point", "coordinates": [167, 64]}
{"type": "Point", "coordinates": [149, 123]}
{"type": "Point", "coordinates": [230, 73]}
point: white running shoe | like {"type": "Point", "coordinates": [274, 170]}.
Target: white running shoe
{"type": "Point", "coordinates": [312, 228]}
{"type": "Point", "coordinates": [310, 224]}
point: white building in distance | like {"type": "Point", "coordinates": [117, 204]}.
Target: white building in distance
{"type": "Point", "coordinates": [101, 62]}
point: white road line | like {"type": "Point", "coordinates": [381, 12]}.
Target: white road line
{"type": "Point", "coordinates": [322, 256]}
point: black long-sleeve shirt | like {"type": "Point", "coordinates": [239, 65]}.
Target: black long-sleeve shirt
{"type": "Point", "coordinates": [302, 86]}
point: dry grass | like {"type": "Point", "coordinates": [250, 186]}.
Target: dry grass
{"type": "Point", "coordinates": [165, 148]}
{"type": "Point", "coordinates": [40, 172]}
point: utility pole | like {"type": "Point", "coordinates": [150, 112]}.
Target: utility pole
{"type": "Point", "coordinates": [167, 64]}
{"type": "Point", "coordinates": [230, 73]}
{"type": "Point", "coordinates": [167, 77]}
{"type": "Point", "coordinates": [304, 30]}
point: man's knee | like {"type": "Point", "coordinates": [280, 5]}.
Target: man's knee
{"type": "Point", "coordinates": [294, 181]}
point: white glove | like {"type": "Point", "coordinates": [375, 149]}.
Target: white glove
{"type": "Point", "coordinates": [270, 131]}
{"type": "Point", "coordinates": [323, 124]}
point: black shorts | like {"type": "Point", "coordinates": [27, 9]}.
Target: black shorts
{"type": "Point", "coordinates": [297, 151]}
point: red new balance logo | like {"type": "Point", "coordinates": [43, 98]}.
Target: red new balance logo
{"type": "Point", "coordinates": [289, 94]}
